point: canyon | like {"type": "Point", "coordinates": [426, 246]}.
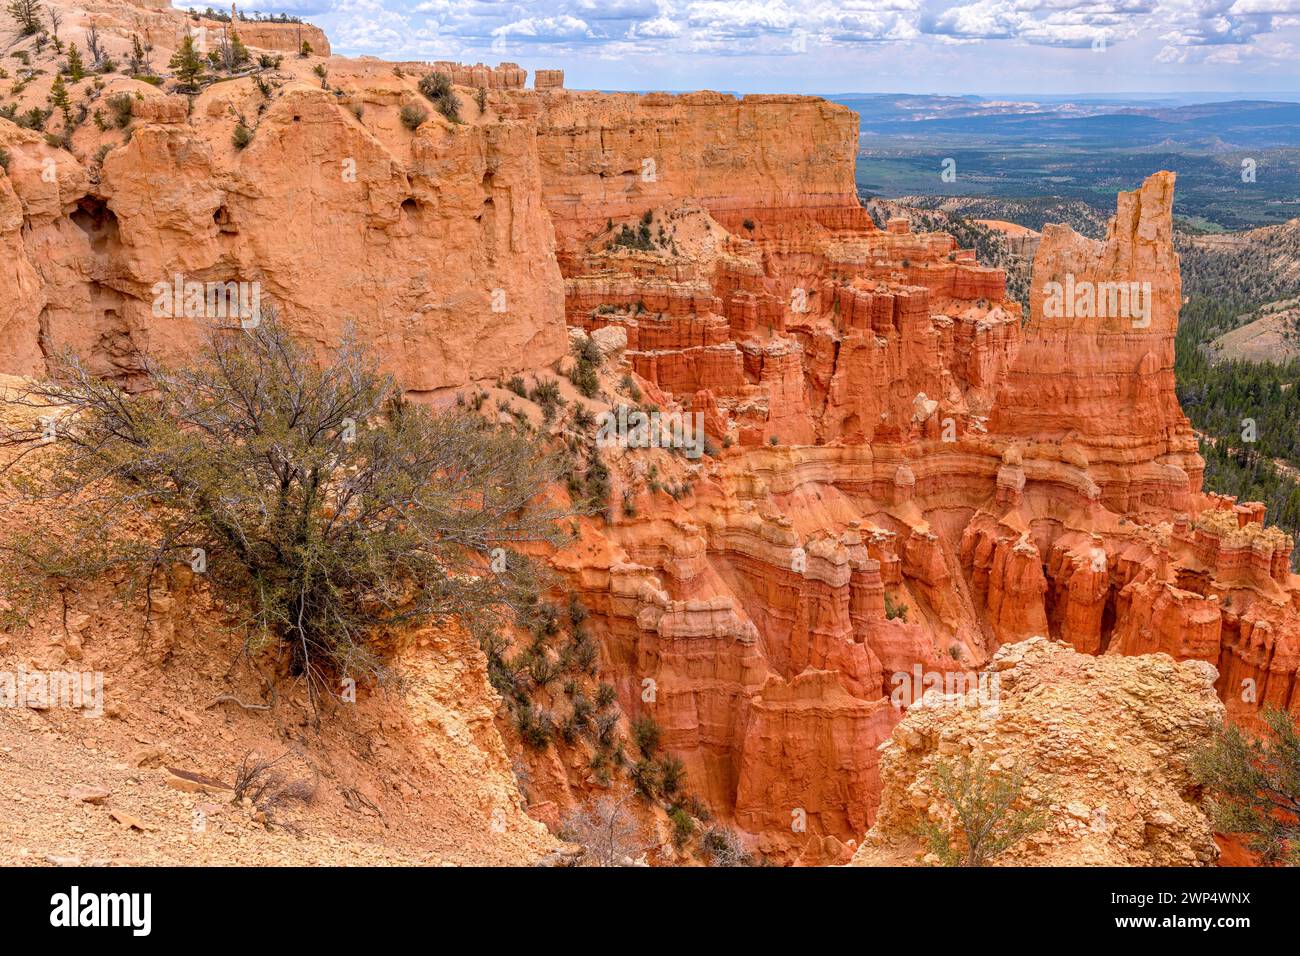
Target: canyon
{"type": "Point", "coordinates": [903, 472]}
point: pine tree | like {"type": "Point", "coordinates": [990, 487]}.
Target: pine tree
{"type": "Point", "coordinates": [187, 65]}
{"type": "Point", "coordinates": [59, 97]}
{"type": "Point", "coordinates": [28, 15]}
{"type": "Point", "coordinates": [139, 55]}
{"type": "Point", "coordinates": [238, 52]}
{"type": "Point", "coordinates": [75, 68]}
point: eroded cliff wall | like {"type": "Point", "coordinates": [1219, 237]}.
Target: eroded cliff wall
{"type": "Point", "coordinates": [432, 244]}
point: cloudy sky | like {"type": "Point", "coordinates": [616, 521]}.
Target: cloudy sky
{"type": "Point", "coordinates": [829, 46]}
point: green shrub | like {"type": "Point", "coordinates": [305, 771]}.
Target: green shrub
{"type": "Point", "coordinates": [577, 613]}
{"type": "Point", "coordinates": [645, 778]}
{"type": "Point", "coordinates": [122, 106]}
{"type": "Point", "coordinates": [696, 808]}
{"type": "Point", "coordinates": [582, 655]}
{"type": "Point", "coordinates": [262, 488]}
{"type": "Point", "coordinates": [671, 774]}
{"type": "Point", "coordinates": [546, 393]}
{"type": "Point", "coordinates": [634, 238]}
{"type": "Point", "coordinates": [545, 620]}
{"type": "Point", "coordinates": [34, 119]}
{"type": "Point", "coordinates": [541, 670]}
{"type": "Point", "coordinates": [583, 376]}
{"type": "Point", "coordinates": [500, 674]}
{"type": "Point", "coordinates": [437, 87]}
{"type": "Point", "coordinates": [894, 611]}
{"type": "Point", "coordinates": [991, 811]}
{"type": "Point", "coordinates": [683, 827]}
{"type": "Point", "coordinates": [536, 727]}
{"type": "Point", "coordinates": [606, 696]}
{"type": "Point", "coordinates": [598, 487]}
{"type": "Point", "coordinates": [413, 116]}
{"type": "Point", "coordinates": [1254, 786]}
{"type": "Point", "coordinates": [242, 136]}
{"type": "Point", "coordinates": [645, 731]}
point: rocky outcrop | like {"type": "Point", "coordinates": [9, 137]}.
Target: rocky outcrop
{"type": "Point", "coordinates": [503, 76]}
{"type": "Point", "coordinates": [1103, 746]}
{"type": "Point", "coordinates": [160, 26]}
{"type": "Point", "coordinates": [284, 37]}
{"type": "Point", "coordinates": [433, 244]}
{"type": "Point", "coordinates": [548, 80]}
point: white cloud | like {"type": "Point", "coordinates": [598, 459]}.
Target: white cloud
{"type": "Point", "coordinates": [546, 28]}
{"type": "Point", "coordinates": [368, 27]}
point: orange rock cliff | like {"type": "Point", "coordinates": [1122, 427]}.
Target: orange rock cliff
{"type": "Point", "coordinates": [904, 472]}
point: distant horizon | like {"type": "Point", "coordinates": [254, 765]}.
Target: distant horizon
{"type": "Point", "coordinates": [1263, 96]}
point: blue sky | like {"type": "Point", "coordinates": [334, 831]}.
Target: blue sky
{"type": "Point", "coordinates": [828, 46]}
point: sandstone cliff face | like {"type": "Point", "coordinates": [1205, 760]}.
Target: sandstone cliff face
{"type": "Point", "coordinates": [161, 26]}
{"type": "Point", "coordinates": [434, 244]}
{"type": "Point", "coordinates": [903, 472]}
{"type": "Point", "coordinates": [615, 155]}
{"type": "Point", "coordinates": [1103, 743]}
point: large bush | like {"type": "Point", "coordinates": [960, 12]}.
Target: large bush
{"type": "Point", "coordinates": [330, 507]}
{"type": "Point", "coordinates": [437, 87]}
{"type": "Point", "coordinates": [1254, 786]}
